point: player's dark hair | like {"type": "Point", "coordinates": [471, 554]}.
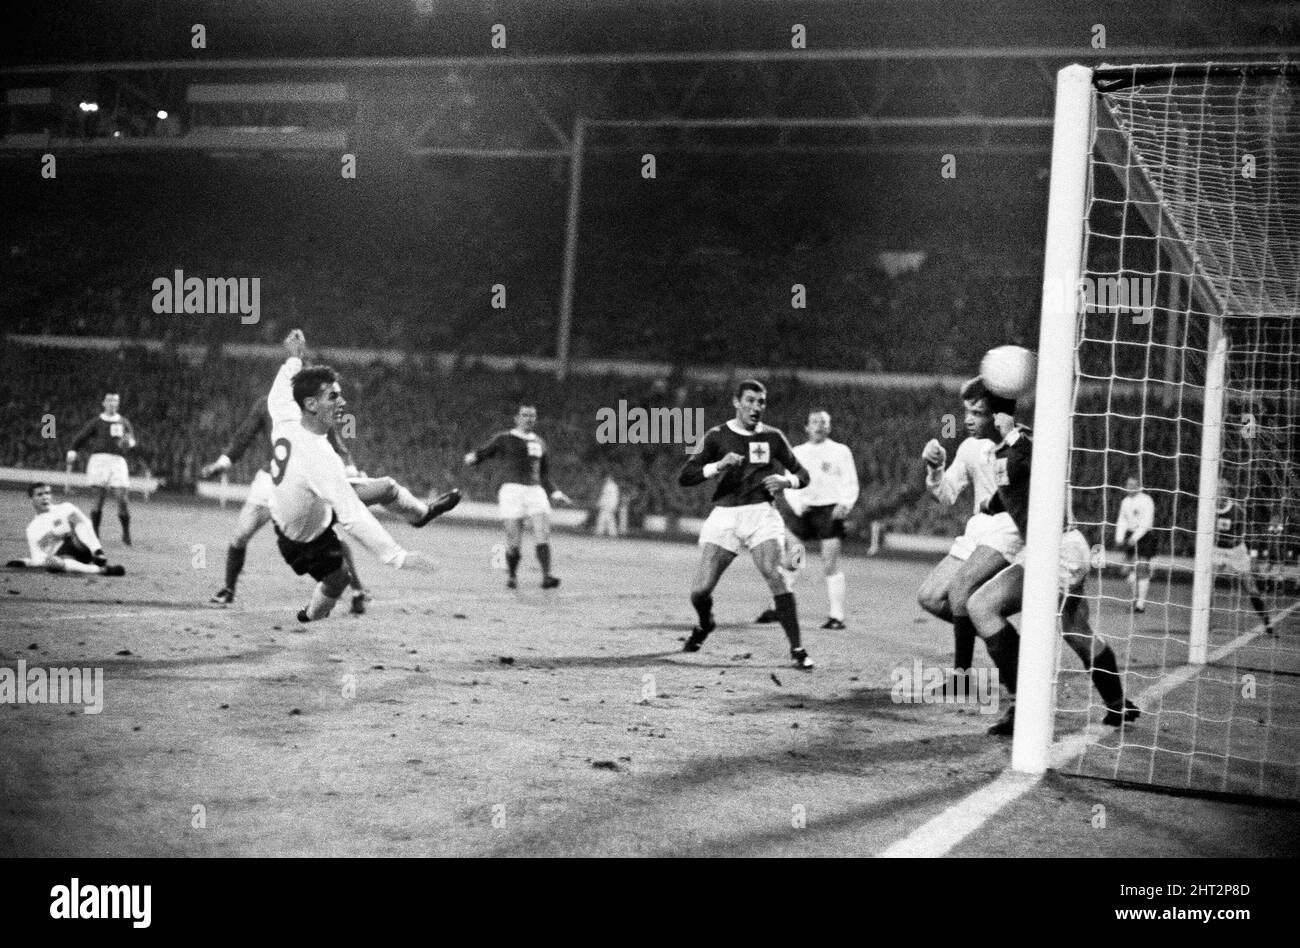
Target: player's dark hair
{"type": "Point", "coordinates": [750, 385]}
{"type": "Point", "coordinates": [818, 410]}
{"type": "Point", "coordinates": [975, 390]}
{"type": "Point", "coordinates": [307, 383]}
{"type": "Point", "coordinates": [33, 488]}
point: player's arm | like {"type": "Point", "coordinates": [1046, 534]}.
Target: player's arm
{"type": "Point", "coordinates": [329, 483]}
{"type": "Point", "coordinates": [796, 475]}
{"type": "Point", "coordinates": [490, 448]}
{"type": "Point", "coordinates": [35, 555]}
{"type": "Point", "coordinates": [544, 475]}
{"type": "Point", "coordinates": [849, 487]}
{"type": "Point", "coordinates": [944, 485]}
{"type": "Point", "coordinates": [128, 434]}
{"type": "Point", "coordinates": [254, 424]}
{"type": "Point", "coordinates": [279, 402]}
{"type": "Point", "coordinates": [707, 463]}
{"type": "Point", "coordinates": [85, 434]}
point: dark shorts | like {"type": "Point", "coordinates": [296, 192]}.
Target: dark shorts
{"type": "Point", "coordinates": [816, 523]}
{"type": "Point", "coordinates": [318, 558]}
{"type": "Point", "coordinates": [74, 549]}
{"type": "Point", "coordinates": [1146, 547]}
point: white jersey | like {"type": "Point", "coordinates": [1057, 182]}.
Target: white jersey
{"type": "Point", "coordinates": [310, 486]}
{"type": "Point", "coordinates": [834, 476]}
{"type": "Point", "coordinates": [47, 531]}
{"type": "Point", "coordinates": [974, 464]}
{"type": "Point", "coordinates": [1137, 515]}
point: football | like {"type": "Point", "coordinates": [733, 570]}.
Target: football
{"type": "Point", "coordinates": [1009, 371]}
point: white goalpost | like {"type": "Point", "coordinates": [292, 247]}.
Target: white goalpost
{"type": "Point", "coordinates": [1179, 185]}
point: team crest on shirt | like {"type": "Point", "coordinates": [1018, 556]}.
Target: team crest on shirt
{"type": "Point", "coordinates": [534, 448]}
{"type": "Point", "coordinates": [760, 452]}
{"type": "Point", "coordinates": [115, 430]}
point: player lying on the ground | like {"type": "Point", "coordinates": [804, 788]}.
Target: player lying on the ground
{"type": "Point", "coordinates": [1232, 555]}
{"type": "Point", "coordinates": [256, 512]}
{"type": "Point", "coordinates": [751, 462]}
{"type": "Point", "coordinates": [1000, 598]}
{"type": "Point", "coordinates": [526, 493]}
{"type": "Point", "coordinates": [990, 540]}
{"type": "Point", "coordinates": [61, 539]}
{"type": "Point", "coordinates": [1133, 534]}
{"type": "Point", "coordinates": [310, 490]}
{"type": "Point", "coordinates": [109, 437]}
{"type": "Point", "coordinates": [818, 511]}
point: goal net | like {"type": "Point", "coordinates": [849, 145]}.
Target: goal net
{"type": "Point", "coordinates": [1185, 374]}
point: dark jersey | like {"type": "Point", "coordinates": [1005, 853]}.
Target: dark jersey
{"type": "Point", "coordinates": [1230, 526]}
{"type": "Point", "coordinates": [524, 458]}
{"type": "Point", "coordinates": [766, 452]}
{"type": "Point", "coordinates": [1014, 458]}
{"type": "Point", "coordinates": [101, 436]}
{"type": "Point", "coordinates": [256, 426]}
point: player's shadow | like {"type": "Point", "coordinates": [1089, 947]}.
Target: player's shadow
{"type": "Point", "coordinates": [594, 661]}
{"type": "Point", "coordinates": [873, 702]}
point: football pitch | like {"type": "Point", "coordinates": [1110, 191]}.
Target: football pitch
{"type": "Point", "coordinates": [458, 718]}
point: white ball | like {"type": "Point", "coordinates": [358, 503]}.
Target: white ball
{"type": "Point", "coordinates": [1009, 371]}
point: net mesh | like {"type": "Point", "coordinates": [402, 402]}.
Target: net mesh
{"type": "Point", "coordinates": [1192, 234]}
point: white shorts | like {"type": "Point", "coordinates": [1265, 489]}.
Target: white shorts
{"type": "Point", "coordinates": [517, 501]}
{"type": "Point", "coordinates": [107, 470]}
{"type": "Point", "coordinates": [747, 526]}
{"type": "Point", "coordinates": [993, 530]}
{"type": "Point", "coordinates": [259, 492]}
{"type": "Point", "coordinates": [1235, 559]}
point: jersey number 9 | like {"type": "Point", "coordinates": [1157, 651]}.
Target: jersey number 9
{"type": "Point", "coordinates": [280, 452]}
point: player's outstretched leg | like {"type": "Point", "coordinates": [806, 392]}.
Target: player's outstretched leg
{"type": "Point", "coordinates": [359, 594]}
{"type": "Point", "coordinates": [981, 566]}
{"type": "Point", "coordinates": [395, 497]}
{"type": "Point", "coordinates": [1098, 659]}
{"type": "Point", "coordinates": [714, 561]}
{"type": "Point", "coordinates": [988, 607]}
{"type": "Point", "coordinates": [252, 517]}
{"type": "Point", "coordinates": [933, 598]}
{"type": "Point", "coordinates": [767, 557]}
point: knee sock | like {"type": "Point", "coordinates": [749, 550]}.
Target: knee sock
{"type": "Point", "coordinates": [1004, 649]}
{"type": "Point", "coordinates": [512, 560]}
{"type": "Point", "coordinates": [790, 577]}
{"type": "Point", "coordinates": [1143, 585]}
{"type": "Point", "coordinates": [124, 517]}
{"type": "Point", "coordinates": [1259, 607]}
{"type": "Point", "coordinates": [76, 566]}
{"type": "Point", "coordinates": [963, 642]}
{"type": "Point", "coordinates": [788, 617]}
{"type": "Point", "coordinates": [1105, 678]}
{"type": "Point", "coordinates": [95, 516]}
{"type": "Point", "coordinates": [544, 557]}
{"type": "Point", "coordinates": [703, 603]}
{"type": "Point", "coordinates": [321, 603]}
{"type": "Point", "coordinates": [407, 505]}
{"type": "Point", "coordinates": [835, 593]}
{"type": "Point", "coordinates": [234, 565]}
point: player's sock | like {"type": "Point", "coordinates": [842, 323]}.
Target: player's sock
{"type": "Point", "coordinates": [1004, 649]}
{"type": "Point", "coordinates": [125, 519]}
{"type": "Point", "coordinates": [1132, 581]}
{"type": "Point", "coordinates": [835, 593]}
{"type": "Point", "coordinates": [321, 603]}
{"type": "Point", "coordinates": [1143, 586]}
{"type": "Point", "coordinates": [512, 560]}
{"type": "Point", "coordinates": [788, 616]}
{"type": "Point", "coordinates": [95, 516]}
{"type": "Point", "coordinates": [1106, 679]}
{"type": "Point", "coordinates": [703, 603]}
{"type": "Point", "coordinates": [76, 566]}
{"type": "Point", "coordinates": [1259, 608]}
{"type": "Point", "coordinates": [234, 565]}
{"type": "Point", "coordinates": [407, 504]}
{"type": "Point", "coordinates": [963, 642]}
{"type": "Point", "coordinates": [789, 577]}
{"type": "Point", "coordinates": [544, 557]}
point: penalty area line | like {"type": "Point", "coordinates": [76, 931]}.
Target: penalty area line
{"type": "Point", "coordinates": [939, 835]}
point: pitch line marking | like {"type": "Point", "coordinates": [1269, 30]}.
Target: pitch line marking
{"type": "Point", "coordinates": [939, 835]}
